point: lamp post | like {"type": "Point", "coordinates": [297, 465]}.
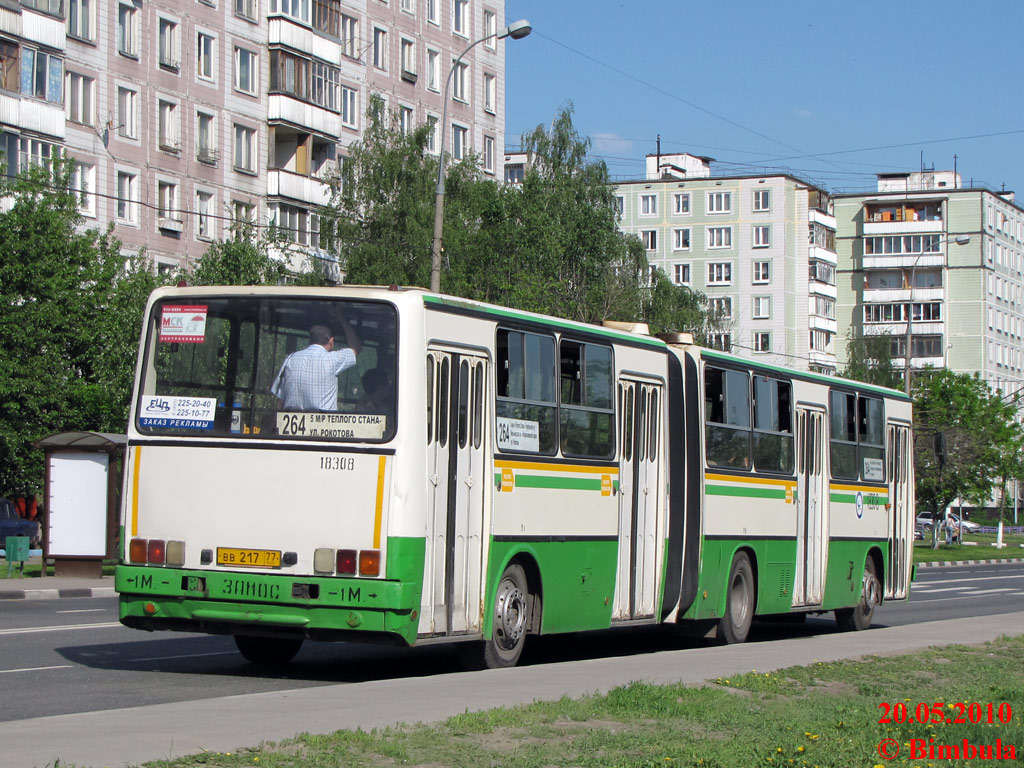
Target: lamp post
{"type": "Point", "coordinates": [959, 240]}
{"type": "Point", "coordinates": [517, 30]}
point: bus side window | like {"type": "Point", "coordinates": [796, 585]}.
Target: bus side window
{"type": "Point", "coordinates": [773, 425]}
{"type": "Point", "coordinates": [843, 432]}
{"type": "Point", "coordinates": [586, 416]}
{"type": "Point", "coordinates": [871, 438]}
{"type": "Point", "coordinates": [526, 388]}
{"type": "Point", "coordinates": [726, 418]}
{"type": "Point", "coordinates": [431, 399]}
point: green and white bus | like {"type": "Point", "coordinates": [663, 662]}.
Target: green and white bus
{"type": "Point", "coordinates": [524, 475]}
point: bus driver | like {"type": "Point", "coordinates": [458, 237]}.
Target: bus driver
{"type": "Point", "coordinates": [308, 379]}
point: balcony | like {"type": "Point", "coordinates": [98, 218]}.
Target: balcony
{"type": "Point", "coordinates": [301, 113]}
{"type": "Point", "coordinates": [903, 227]}
{"type": "Point", "coordinates": [908, 260]}
{"type": "Point", "coordinates": [297, 187]}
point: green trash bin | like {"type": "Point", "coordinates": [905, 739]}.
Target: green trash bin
{"type": "Point", "coordinates": [17, 551]}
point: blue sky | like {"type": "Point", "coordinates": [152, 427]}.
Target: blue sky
{"type": "Point", "coordinates": [834, 91]}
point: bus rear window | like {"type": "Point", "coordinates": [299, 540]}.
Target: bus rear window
{"type": "Point", "coordinates": [270, 368]}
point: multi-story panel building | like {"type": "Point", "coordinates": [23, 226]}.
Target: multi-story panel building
{"type": "Point", "coordinates": [184, 116]}
{"type": "Point", "coordinates": [761, 247]}
{"type": "Point", "coordinates": [924, 258]}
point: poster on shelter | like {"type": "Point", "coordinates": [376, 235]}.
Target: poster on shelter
{"type": "Point", "coordinates": [183, 324]}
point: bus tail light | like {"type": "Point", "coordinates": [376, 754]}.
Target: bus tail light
{"type": "Point", "coordinates": [323, 560]}
{"type": "Point", "coordinates": [156, 552]}
{"type": "Point", "coordinates": [175, 552]}
{"type": "Point", "coordinates": [137, 551]}
{"type": "Point", "coordinates": [369, 562]}
{"type": "Point", "coordinates": [346, 562]}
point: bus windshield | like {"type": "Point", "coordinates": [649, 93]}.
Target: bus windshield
{"type": "Point", "coordinates": [258, 367]}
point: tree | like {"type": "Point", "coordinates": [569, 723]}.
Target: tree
{"type": "Point", "coordinates": [54, 283]}
{"type": "Point", "coordinates": [980, 444]}
{"type": "Point", "coordinates": [869, 359]}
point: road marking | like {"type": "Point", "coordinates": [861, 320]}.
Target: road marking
{"type": "Point", "coordinates": [960, 581]}
{"type": "Point", "coordinates": [991, 591]}
{"type": "Point", "coordinates": [85, 610]}
{"type": "Point", "coordinates": [35, 669]}
{"type": "Point", "coordinates": [60, 628]}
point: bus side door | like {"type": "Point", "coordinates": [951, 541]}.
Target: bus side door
{"type": "Point", "coordinates": [811, 507]}
{"type": "Point", "coordinates": [639, 495]}
{"type": "Point", "coordinates": [452, 588]}
{"type": "Point", "coordinates": [901, 518]}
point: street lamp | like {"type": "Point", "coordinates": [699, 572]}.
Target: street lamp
{"type": "Point", "coordinates": [959, 240]}
{"type": "Point", "coordinates": [517, 30]}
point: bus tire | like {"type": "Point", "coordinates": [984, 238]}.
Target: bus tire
{"type": "Point", "coordinates": [734, 626]}
{"type": "Point", "coordinates": [510, 620]}
{"type": "Point", "coordinates": [268, 651]}
{"type": "Point", "coordinates": [859, 617]}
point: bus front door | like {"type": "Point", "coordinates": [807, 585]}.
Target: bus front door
{"type": "Point", "coordinates": [901, 518]}
{"type": "Point", "coordinates": [811, 508]}
{"type": "Point", "coordinates": [456, 385]}
{"type": "Point", "coordinates": [639, 483]}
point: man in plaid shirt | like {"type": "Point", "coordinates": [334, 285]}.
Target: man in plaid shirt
{"type": "Point", "coordinates": [308, 379]}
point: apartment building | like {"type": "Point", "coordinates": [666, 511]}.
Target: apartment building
{"type": "Point", "coordinates": [184, 116]}
{"type": "Point", "coordinates": [761, 247]}
{"type": "Point", "coordinates": [924, 257]}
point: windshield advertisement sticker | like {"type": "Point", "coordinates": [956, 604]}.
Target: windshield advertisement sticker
{"type": "Point", "coordinates": [874, 469]}
{"type": "Point", "coordinates": [332, 426]}
{"type": "Point", "coordinates": [183, 324]}
{"type": "Point", "coordinates": [157, 411]}
{"type": "Point", "coordinates": [518, 435]}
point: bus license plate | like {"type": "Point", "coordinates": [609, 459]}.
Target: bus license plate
{"type": "Point", "coordinates": [249, 558]}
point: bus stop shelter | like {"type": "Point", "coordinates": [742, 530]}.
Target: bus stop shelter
{"type": "Point", "coordinates": [82, 489]}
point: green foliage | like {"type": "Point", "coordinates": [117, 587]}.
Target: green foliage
{"type": "Point", "coordinates": [54, 281]}
{"type": "Point", "coordinates": [982, 438]}
{"type": "Point", "coordinates": [241, 260]}
{"type": "Point", "coordinates": [869, 359]}
{"type": "Point", "coordinates": [672, 307]}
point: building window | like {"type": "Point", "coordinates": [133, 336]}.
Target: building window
{"type": "Point", "coordinates": [460, 17]}
{"type": "Point", "coordinates": [206, 144]}
{"type": "Point", "coordinates": [762, 271]}
{"type": "Point", "coordinates": [204, 56]}
{"type": "Point", "coordinates": [204, 216]}
{"type": "Point", "coordinates": [407, 56]}
{"type": "Point", "coordinates": [83, 184]}
{"type": "Point", "coordinates": [721, 308]}
{"type": "Point", "coordinates": [762, 200]}
{"type": "Point", "coordinates": [80, 19]}
{"type": "Point", "coordinates": [406, 6]}
{"type": "Point", "coordinates": [820, 340]}
{"type": "Point", "coordinates": [170, 58]}
{"type": "Point", "coordinates": [405, 120]}
{"type": "Point", "coordinates": [762, 307]}
{"type": "Point", "coordinates": [380, 48]}
{"type": "Point", "coordinates": [681, 274]}
{"type": "Point", "coordinates": [762, 341]}
{"type": "Point", "coordinates": [681, 239]}
{"type": "Point", "coordinates": [349, 36]}
{"type": "Point", "coordinates": [127, 30]}
{"type": "Point", "coordinates": [433, 70]}
{"type": "Point", "coordinates": [459, 77]}
{"type": "Point", "coordinates": [127, 197]}
{"type": "Point", "coordinates": [489, 154]}
{"type": "Point", "coordinates": [490, 93]}
{"type": "Point", "coordinates": [722, 341]}
{"type": "Point", "coordinates": [42, 75]}
{"type": "Point", "coordinates": [246, 9]}
{"type": "Point", "coordinates": [10, 66]}
{"type": "Point", "coordinates": [243, 213]}
{"type": "Point", "coordinates": [327, 16]}
{"type": "Point", "coordinates": [296, 9]}
{"type": "Point", "coordinates": [127, 113]}
{"type": "Point", "coordinates": [719, 202]}
{"type": "Point", "coordinates": [296, 225]}
{"type": "Point", "coordinates": [720, 273]}
{"type": "Point", "coordinates": [167, 126]}
{"type": "Point", "coordinates": [648, 205]}
{"type": "Point", "coordinates": [80, 93]}
{"type": "Point", "coordinates": [649, 237]}
{"type": "Point", "coordinates": [491, 29]}
{"type": "Point", "coordinates": [167, 200]}
{"type": "Point", "coordinates": [349, 107]}
{"type": "Point", "coordinates": [245, 149]}
{"type": "Point", "coordinates": [762, 236]}
{"type": "Point", "coordinates": [719, 237]}
{"type": "Point", "coordinates": [36, 153]}
{"type": "Point", "coordinates": [681, 203]}
{"type": "Point", "coordinates": [246, 70]}
{"type": "Point", "coordinates": [824, 272]}
{"type": "Point", "coordinates": [432, 134]}
{"type": "Point", "coordinates": [826, 307]}
{"type": "Point", "coordinates": [460, 138]}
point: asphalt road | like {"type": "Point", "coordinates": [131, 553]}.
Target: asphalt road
{"type": "Point", "coordinates": [71, 655]}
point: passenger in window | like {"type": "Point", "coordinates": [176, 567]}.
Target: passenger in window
{"type": "Point", "coordinates": [308, 379]}
{"type": "Point", "coordinates": [376, 392]}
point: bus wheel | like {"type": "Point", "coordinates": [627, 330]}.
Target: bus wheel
{"type": "Point", "coordinates": [268, 651]}
{"type": "Point", "coordinates": [511, 618]}
{"type": "Point", "coordinates": [859, 617]}
{"type": "Point", "coordinates": [734, 626]}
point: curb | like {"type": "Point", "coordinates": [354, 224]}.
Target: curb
{"type": "Point", "coordinates": [954, 563]}
{"type": "Point", "coordinates": [53, 594]}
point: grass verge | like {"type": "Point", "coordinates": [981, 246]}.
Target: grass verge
{"type": "Point", "coordinates": [978, 547]}
{"type": "Point", "coordinates": [824, 714]}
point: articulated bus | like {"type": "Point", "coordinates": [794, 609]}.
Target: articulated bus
{"type": "Point", "coordinates": [522, 475]}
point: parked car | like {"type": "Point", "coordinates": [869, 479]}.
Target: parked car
{"type": "Point", "coordinates": [924, 523]}
{"type": "Point", "coordinates": [13, 525]}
